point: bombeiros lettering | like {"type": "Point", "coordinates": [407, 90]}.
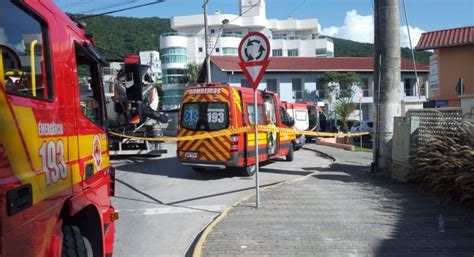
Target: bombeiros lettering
{"type": "Point", "coordinates": [196, 91]}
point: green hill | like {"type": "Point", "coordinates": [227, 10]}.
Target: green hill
{"type": "Point", "coordinates": [343, 47]}
{"type": "Point", "coordinates": [125, 35]}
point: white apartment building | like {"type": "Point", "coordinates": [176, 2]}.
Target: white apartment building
{"type": "Point", "coordinates": [289, 37]}
{"type": "Point", "coordinates": [152, 58]}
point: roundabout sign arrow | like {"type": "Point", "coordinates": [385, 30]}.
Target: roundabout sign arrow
{"type": "Point", "coordinates": [254, 51]}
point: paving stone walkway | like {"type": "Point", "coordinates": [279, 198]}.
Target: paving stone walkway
{"type": "Point", "coordinates": [343, 210]}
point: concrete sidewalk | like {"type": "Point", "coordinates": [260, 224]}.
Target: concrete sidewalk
{"type": "Point", "coordinates": [344, 211]}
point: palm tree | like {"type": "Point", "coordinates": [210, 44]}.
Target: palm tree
{"type": "Point", "coordinates": [191, 73]}
{"type": "Point", "coordinates": [344, 108]}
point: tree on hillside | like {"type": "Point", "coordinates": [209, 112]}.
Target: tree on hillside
{"type": "Point", "coordinates": [341, 86]}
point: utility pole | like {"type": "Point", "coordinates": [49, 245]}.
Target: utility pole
{"type": "Point", "coordinates": [387, 80]}
{"type": "Point", "coordinates": [206, 42]}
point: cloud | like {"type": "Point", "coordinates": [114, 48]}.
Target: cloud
{"type": "Point", "coordinates": [360, 28]}
{"type": "Point", "coordinates": [415, 35]}
{"type": "Point", "coordinates": [356, 27]}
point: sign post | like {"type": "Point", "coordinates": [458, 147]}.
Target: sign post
{"type": "Point", "coordinates": [254, 50]}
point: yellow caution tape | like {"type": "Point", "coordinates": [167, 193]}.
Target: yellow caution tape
{"type": "Point", "coordinates": [235, 131]}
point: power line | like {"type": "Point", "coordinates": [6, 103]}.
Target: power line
{"type": "Point", "coordinates": [296, 8]}
{"type": "Point", "coordinates": [123, 9]}
{"type": "Point", "coordinates": [246, 11]}
{"type": "Point", "coordinates": [222, 26]}
{"type": "Point", "coordinates": [411, 48]}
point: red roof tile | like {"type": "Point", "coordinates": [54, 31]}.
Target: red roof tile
{"type": "Point", "coordinates": [446, 38]}
{"type": "Point", "coordinates": [313, 64]}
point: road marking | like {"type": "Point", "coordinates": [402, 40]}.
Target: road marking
{"type": "Point", "coordinates": [174, 210]}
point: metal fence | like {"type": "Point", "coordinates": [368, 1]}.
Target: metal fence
{"type": "Point", "coordinates": [427, 123]}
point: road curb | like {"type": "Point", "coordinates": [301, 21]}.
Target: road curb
{"type": "Point", "coordinates": [205, 233]}
{"type": "Point", "coordinates": [321, 153]}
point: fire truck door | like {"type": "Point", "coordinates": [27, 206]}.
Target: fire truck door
{"type": "Point", "coordinates": [90, 112]}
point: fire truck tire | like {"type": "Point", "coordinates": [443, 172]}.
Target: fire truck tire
{"type": "Point", "coordinates": [249, 170]}
{"type": "Point", "coordinates": [291, 154]}
{"type": "Point", "coordinates": [73, 243]}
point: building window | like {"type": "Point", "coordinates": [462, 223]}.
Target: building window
{"type": "Point", "coordinates": [200, 49]}
{"type": "Point", "coordinates": [272, 85]}
{"type": "Point", "coordinates": [409, 87]}
{"type": "Point", "coordinates": [174, 59]}
{"type": "Point", "coordinates": [279, 36]}
{"type": "Point", "coordinates": [297, 87]}
{"type": "Point", "coordinates": [173, 76]}
{"type": "Point", "coordinates": [218, 50]}
{"type": "Point", "coordinates": [321, 52]}
{"type": "Point", "coordinates": [330, 54]}
{"type": "Point", "coordinates": [244, 83]}
{"type": "Point", "coordinates": [24, 48]}
{"type": "Point", "coordinates": [292, 52]}
{"type": "Point", "coordinates": [277, 52]}
{"type": "Point", "coordinates": [213, 31]}
{"type": "Point", "coordinates": [367, 89]}
{"type": "Point", "coordinates": [172, 97]}
{"type": "Point", "coordinates": [229, 51]}
{"type": "Point", "coordinates": [173, 55]}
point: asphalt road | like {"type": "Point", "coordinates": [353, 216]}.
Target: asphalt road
{"type": "Point", "coordinates": [163, 205]}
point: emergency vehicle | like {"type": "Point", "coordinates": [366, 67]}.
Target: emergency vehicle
{"type": "Point", "coordinates": [132, 104]}
{"type": "Point", "coordinates": [56, 181]}
{"type": "Point", "coordinates": [210, 108]}
{"type": "Point", "coordinates": [299, 112]}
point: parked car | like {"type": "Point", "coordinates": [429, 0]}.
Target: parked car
{"type": "Point", "coordinates": [364, 126]}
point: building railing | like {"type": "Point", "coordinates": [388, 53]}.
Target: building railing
{"type": "Point", "coordinates": [230, 35]}
{"type": "Point", "coordinates": [299, 37]}
{"type": "Point", "coordinates": [180, 34]}
{"type": "Point", "coordinates": [171, 34]}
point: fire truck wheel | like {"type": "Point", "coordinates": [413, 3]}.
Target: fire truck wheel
{"type": "Point", "coordinates": [249, 170]}
{"type": "Point", "coordinates": [291, 154]}
{"type": "Point", "coordinates": [73, 243]}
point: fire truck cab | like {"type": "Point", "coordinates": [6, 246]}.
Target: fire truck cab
{"type": "Point", "coordinates": [56, 181]}
{"type": "Point", "coordinates": [210, 108]}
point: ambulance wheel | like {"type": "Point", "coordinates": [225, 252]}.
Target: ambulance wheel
{"type": "Point", "coordinates": [249, 170]}
{"type": "Point", "coordinates": [291, 154]}
{"type": "Point", "coordinates": [198, 170]}
{"type": "Point", "coordinates": [73, 243]}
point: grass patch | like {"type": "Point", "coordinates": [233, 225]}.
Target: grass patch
{"type": "Point", "coordinates": [366, 147]}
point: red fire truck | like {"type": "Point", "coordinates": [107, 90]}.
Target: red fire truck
{"type": "Point", "coordinates": [56, 181]}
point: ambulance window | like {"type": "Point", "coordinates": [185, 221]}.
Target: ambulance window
{"type": "Point", "coordinates": [90, 88]}
{"type": "Point", "coordinates": [261, 114]}
{"type": "Point", "coordinates": [24, 63]}
{"type": "Point", "coordinates": [301, 115]}
{"type": "Point", "coordinates": [205, 116]}
{"type": "Point", "coordinates": [190, 116]}
{"type": "Point", "coordinates": [217, 116]}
